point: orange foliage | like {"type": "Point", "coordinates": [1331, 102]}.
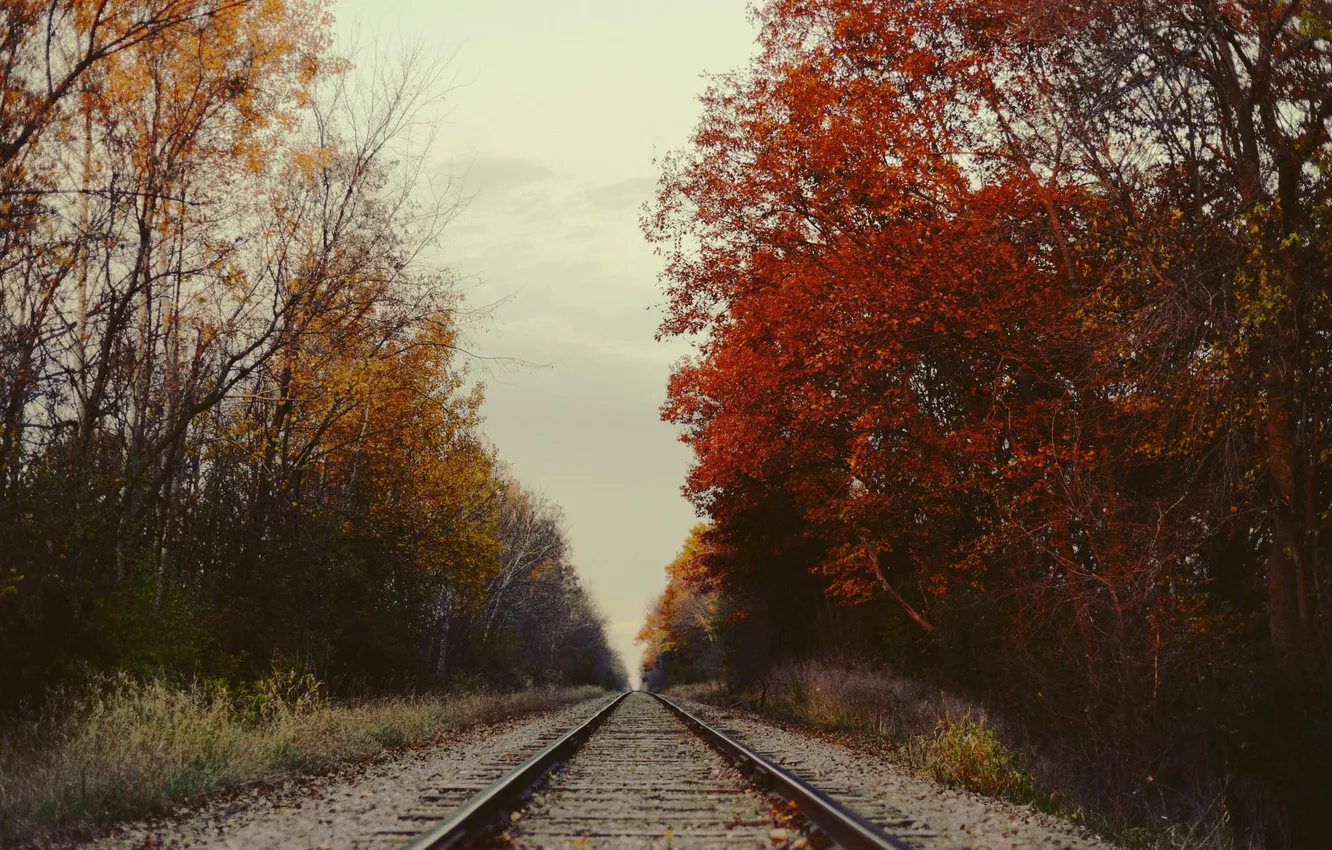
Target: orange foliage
{"type": "Point", "coordinates": [1014, 315]}
{"type": "Point", "coordinates": [684, 608]}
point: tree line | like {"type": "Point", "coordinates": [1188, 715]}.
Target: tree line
{"type": "Point", "coordinates": [1012, 365]}
{"type": "Point", "coordinates": [236, 425]}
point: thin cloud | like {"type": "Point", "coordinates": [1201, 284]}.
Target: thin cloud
{"type": "Point", "coordinates": [496, 176]}
{"type": "Point", "coordinates": [625, 194]}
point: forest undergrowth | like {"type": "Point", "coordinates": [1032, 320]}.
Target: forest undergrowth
{"type": "Point", "coordinates": [122, 748]}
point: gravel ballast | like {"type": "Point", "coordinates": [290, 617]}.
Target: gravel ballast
{"type": "Point", "coordinates": [644, 780]}
{"type": "Point", "coordinates": [925, 813]}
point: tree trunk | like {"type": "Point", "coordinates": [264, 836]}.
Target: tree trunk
{"type": "Point", "coordinates": [1289, 608]}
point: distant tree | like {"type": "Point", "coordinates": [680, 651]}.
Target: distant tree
{"type": "Point", "coordinates": [680, 634]}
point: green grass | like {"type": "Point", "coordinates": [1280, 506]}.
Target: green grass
{"type": "Point", "coordinates": [123, 749]}
{"type": "Point", "coordinates": [968, 754]}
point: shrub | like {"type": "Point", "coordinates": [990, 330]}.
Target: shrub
{"type": "Point", "coordinates": [968, 754]}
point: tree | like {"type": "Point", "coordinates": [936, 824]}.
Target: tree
{"type": "Point", "coordinates": [1203, 128]}
{"type": "Point", "coordinates": [680, 633]}
{"type": "Point", "coordinates": [236, 429]}
{"type": "Point", "coordinates": [1013, 314]}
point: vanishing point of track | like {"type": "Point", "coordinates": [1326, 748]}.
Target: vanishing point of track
{"type": "Point", "coordinates": [642, 771]}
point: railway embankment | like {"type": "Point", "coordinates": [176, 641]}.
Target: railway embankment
{"type": "Point", "coordinates": [185, 761]}
{"type": "Point", "coordinates": [644, 778]}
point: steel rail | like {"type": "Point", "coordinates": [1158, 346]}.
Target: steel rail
{"type": "Point", "coordinates": [848, 829]}
{"type": "Point", "coordinates": [482, 811]}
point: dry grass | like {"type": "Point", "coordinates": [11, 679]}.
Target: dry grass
{"type": "Point", "coordinates": [934, 733]}
{"type": "Point", "coordinates": [852, 698]}
{"type": "Point", "coordinates": [125, 749]}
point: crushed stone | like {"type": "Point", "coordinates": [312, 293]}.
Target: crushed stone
{"type": "Point", "coordinates": [923, 812]}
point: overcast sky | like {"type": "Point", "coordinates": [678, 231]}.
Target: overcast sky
{"type": "Point", "coordinates": [561, 109]}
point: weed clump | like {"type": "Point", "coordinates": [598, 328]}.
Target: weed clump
{"type": "Point", "coordinates": [968, 754]}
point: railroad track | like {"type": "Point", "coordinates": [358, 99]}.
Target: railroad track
{"type": "Point", "coordinates": [643, 772]}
